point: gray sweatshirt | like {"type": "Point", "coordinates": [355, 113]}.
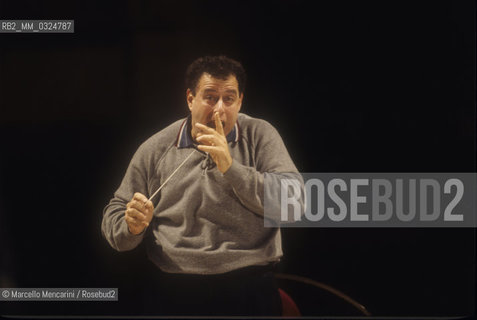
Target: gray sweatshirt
{"type": "Point", "coordinates": [204, 222]}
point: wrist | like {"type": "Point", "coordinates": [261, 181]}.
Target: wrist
{"type": "Point", "coordinates": [135, 231]}
{"type": "Point", "coordinates": [226, 167]}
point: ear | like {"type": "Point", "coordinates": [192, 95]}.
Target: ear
{"type": "Point", "coordinates": [189, 98]}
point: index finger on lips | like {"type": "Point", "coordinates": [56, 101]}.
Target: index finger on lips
{"type": "Point", "coordinates": [218, 124]}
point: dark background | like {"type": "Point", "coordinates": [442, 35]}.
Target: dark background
{"type": "Point", "coordinates": [356, 86]}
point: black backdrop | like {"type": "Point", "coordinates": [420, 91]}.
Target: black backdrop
{"type": "Point", "coordinates": [357, 86]}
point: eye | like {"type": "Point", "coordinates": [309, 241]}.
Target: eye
{"type": "Point", "coordinates": [210, 99]}
{"type": "Point", "coordinates": [229, 99]}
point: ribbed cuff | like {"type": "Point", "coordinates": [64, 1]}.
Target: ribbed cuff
{"type": "Point", "coordinates": [133, 239]}
{"type": "Point", "coordinates": [236, 174]}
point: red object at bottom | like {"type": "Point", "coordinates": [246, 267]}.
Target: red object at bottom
{"type": "Point", "coordinates": [289, 308]}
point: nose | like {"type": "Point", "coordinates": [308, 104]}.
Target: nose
{"type": "Point", "coordinates": [219, 106]}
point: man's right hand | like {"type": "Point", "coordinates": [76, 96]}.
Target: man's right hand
{"type": "Point", "coordinates": [138, 213]}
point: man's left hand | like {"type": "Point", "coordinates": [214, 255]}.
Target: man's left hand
{"type": "Point", "coordinates": [215, 143]}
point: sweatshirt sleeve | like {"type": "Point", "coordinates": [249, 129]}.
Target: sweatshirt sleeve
{"type": "Point", "coordinates": [114, 227]}
{"type": "Point", "coordinates": [272, 163]}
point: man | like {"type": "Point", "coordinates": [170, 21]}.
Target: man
{"type": "Point", "coordinates": [205, 229]}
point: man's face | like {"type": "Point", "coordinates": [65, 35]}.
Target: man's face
{"type": "Point", "coordinates": [214, 95]}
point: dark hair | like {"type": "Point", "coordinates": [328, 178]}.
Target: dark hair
{"type": "Point", "coordinates": [220, 67]}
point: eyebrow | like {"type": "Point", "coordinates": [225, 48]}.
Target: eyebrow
{"type": "Point", "coordinates": [231, 91]}
{"type": "Point", "coordinates": [226, 91]}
